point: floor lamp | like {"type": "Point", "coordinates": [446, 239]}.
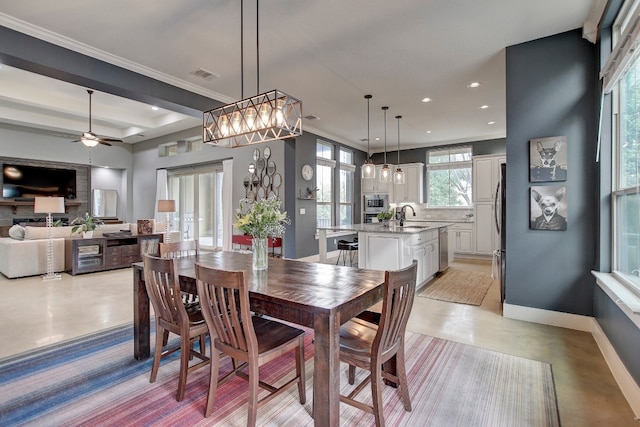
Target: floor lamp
{"type": "Point", "coordinates": [49, 205]}
{"type": "Point", "coordinates": [167, 206]}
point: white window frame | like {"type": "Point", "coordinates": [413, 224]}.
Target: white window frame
{"type": "Point", "coordinates": [347, 167]}
{"type": "Point", "coordinates": [626, 34]}
{"type": "Point", "coordinates": [331, 163]}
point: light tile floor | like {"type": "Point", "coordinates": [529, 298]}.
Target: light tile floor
{"type": "Point", "coordinates": [34, 313]}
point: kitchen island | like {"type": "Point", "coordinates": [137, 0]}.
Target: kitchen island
{"type": "Point", "coordinates": [393, 247]}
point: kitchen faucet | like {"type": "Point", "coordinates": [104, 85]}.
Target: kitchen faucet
{"type": "Point", "coordinates": [402, 214]}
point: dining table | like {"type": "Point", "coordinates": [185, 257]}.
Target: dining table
{"type": "Point", "coordinates": [314, 295]}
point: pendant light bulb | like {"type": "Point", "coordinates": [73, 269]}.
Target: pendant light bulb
{"type": "Point", "coordinates": [385, 172]}
{"type": "Point", "coordinates": [368, 168]}
{"type": "Point", "coordinates": [398, 176]}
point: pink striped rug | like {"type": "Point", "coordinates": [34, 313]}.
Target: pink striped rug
{"type": "Point", "coordinates": [97, 383]}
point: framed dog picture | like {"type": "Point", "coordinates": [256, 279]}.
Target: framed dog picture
{"type": "Point", "coordinates": [548, 159]}
{"type": "Point", "coordinates": [548, 208]}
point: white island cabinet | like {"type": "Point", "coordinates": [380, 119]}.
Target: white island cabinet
{"type": "Point", "coordinates": [394, 247]}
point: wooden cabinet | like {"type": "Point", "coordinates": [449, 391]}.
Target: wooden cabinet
{"type": "Point", "coordinates": [107, 253]}
{"type": "Point", "coordinates": [411, 191]}
{"type": "Point", "coordinates": [374, 185]}
{"type": "Point", "coordinates": [486, 175]}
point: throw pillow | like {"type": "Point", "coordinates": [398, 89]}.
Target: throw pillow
{"type": "Point", "coordinates": [17, 232]}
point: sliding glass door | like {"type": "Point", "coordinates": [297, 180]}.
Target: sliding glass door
{"type": "Point", "coordinates": [198, 196]}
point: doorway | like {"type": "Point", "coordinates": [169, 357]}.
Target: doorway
{"type": "Point", "coordinates": [198, 196]}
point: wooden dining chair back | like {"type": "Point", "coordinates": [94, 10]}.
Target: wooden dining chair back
{"type": "Point", "coordinates": [370, 346]}
{"type": "Point", "coordinates": [180, 249]}
{"type": "Point", "coordinates": [252, 340]}
{"type": "Point", "coordinates": [171, 315]}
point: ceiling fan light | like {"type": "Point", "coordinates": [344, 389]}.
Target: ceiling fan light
{"type": "Point", "coordinates": [89, 142]}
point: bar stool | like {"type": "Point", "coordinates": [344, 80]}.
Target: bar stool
{"type": "Point", "coordinates": [345, 248]}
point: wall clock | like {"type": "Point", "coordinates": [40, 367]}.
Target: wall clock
{"type": "Point", "coordinates": [307, 172]}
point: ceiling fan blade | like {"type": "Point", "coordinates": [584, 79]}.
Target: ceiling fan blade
{"type": "Point", "coordinates": [103, 142]}
{"type": "Point", "coordinates": [110, 139]}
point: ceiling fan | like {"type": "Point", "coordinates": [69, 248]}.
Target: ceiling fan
{"type": "Point", "coordinates": [90, 139]}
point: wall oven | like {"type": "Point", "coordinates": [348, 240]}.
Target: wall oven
{"type": "Point", "coordinates": [374, 203]}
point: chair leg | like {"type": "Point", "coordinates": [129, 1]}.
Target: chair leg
{"type": "Point", "coordinates": [203, 344]}
{"type": "Point", "coordinates": [213, 380]}
{"type": "Point", "coordinates": [351, 375]}
{"type": "Point", "coordinates": [300, 371]}
{"type": "Point", "coordinates": [185, 354]}
{"type": "Point", "coordinates": [403, 387]}
{"type": "Point", "coordinates": [254, 377]}
{"type": "Point", "coordinates": [158, 353]}
{"type": "Point", "coordinates": [376, 395]}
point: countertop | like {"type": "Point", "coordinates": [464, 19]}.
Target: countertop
{"type": "Point", "coordinates": [394, 228]}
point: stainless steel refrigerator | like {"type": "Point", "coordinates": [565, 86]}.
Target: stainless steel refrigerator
{"type": "Point", "coordinates": [500, 211]}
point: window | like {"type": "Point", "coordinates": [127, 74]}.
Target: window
{"type": "Point", "coordinates": [624, 78]}
{"type": "Point", "coordinates": [626, 195]}
{"type": "Point", "coordinates": [347, 171]}
{"type": "Point", "coordinates": [449, 178]}
{"type": "Point", "coordinates": [324, 182]}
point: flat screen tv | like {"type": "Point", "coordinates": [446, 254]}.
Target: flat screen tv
{"type": "Point", "coordinates": [28, 182]}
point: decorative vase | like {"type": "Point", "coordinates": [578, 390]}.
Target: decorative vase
{"type": "Point", "coordinates": [385, 222]}
{"type": "Point", "coordinates": [260, 253]}
{"type": "Point", "coordinates": [87, 234]}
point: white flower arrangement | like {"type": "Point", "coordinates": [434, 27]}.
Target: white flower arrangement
{"type": "Point", "coordinates": [261, 219]}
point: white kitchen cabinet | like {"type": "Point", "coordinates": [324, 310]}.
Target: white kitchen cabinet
{"type": "Point", "coordinates": [381, 251]}
{"type": "Point", "coordinates": [462, 237]}
{"type": "Point", "coordinates": [411, 191]}
{"type": "Point", "coordinates": [419, 253]}
{"type": "Point", "coordinates": [485, 234]}
{"type": "Point", "coordinates": [486, 175]}
{"type": "Point", "coordinates": [433, 258]}
{"type": "Point", "coordinates": [374, 185]}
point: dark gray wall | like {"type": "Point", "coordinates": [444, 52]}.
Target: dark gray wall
{"type": "Point", "coordinates": [551, 90]}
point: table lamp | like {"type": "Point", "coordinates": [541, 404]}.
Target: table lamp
{"type": "Point", "coordinates": [49, 205]}
{"type": "Point", "coordinates": [167, 206]}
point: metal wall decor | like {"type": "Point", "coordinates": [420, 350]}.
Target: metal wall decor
{"type": "Point", "coordinates": [262, 181]}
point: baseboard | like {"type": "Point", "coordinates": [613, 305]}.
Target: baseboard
{"type": "Point", "coordinates": [625, 381]}
{"type": "Point", "coordinates": [548, 317]}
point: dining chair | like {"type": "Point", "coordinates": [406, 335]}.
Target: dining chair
{"type": "Point", "coordinates": [252, 340]}
{"type": "Point", "coordinates": [180, 249]}
{"type": "Point", "coordinates": [369, 346]}
{"type": "Point", "coordinates": [163, 288]}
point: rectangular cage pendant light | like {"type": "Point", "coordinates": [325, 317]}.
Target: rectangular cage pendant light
{"type": "Point", "coordinates": [269, 116]}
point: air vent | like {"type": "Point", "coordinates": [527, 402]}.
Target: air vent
{"type": "Point", "coordinates": [205, 74]}
{"type": "Point", "coordinates": [310, 117]}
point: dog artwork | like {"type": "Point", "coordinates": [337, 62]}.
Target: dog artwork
{"type": "Point", "coordinates": [548, 159]}
{"type": "Point", "coordinates": [547, 202]}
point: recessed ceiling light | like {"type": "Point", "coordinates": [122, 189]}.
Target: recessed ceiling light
{"type": "Point", "coordinates": [426, 99]}
{"type": "Point", "coordinates": [484, 107]}
{"type": "Point", "coordinates": [473, 84]}
{"type": "Point", "coordinates": [491, 123]}
{"type": "Point", "coordinates": [154, 108]}
{"type": "Point", "coordinates": [378, 139]}
{"type": "Point", "coordinates": [428, 131]}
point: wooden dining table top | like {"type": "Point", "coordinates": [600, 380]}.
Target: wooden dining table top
{"type": "Point", "coordinates": [307, 286]}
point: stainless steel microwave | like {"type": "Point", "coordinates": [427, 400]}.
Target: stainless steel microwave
{"type": "Point", "coordinates": [374, 203]}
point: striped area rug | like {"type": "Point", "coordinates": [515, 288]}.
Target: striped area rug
{"type": "Point", "coordinates": [96, 382]}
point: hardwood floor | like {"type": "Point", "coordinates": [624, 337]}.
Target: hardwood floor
{"type": "Point", "coordinates": [34, 313]}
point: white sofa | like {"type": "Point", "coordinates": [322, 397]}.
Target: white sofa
{"type": "Point", "coordinates": [28, 256]}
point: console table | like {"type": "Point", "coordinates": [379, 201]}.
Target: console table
{"type": "Point", "coordinates": [108, 253]}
